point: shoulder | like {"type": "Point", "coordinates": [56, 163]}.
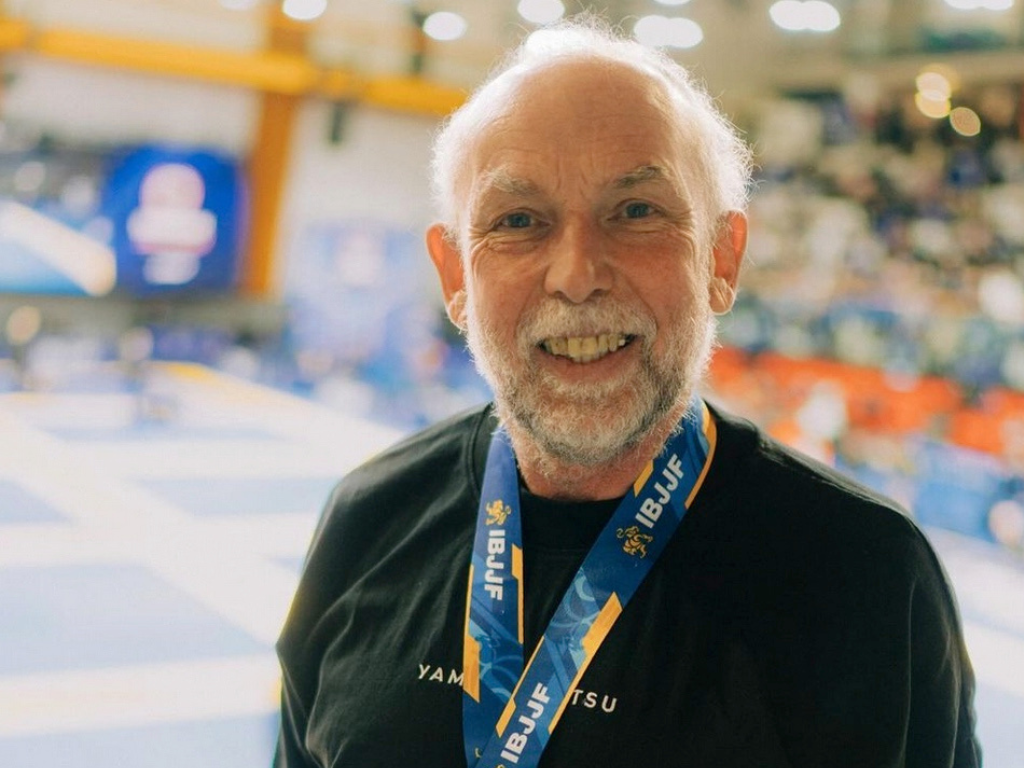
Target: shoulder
{"type": "Point", "coordinates": [393, 486]}
{"type": "Point", "coordinates": [420, 461]}
{"type": "Point", "coordinates": [807, 564]}
{"type": "Point", "coordinates": [785, 477]}
{"type": "Point", "coordinates": [798, 542]}
{"type": "Point", "coordinates": [807, 512]}
{"type": "Point", "coordinates": [389, 510]}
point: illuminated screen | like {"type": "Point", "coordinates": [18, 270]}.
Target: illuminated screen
{"type": "Point", "coordinates": [136, 221]}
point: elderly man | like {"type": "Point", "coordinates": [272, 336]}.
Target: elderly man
{"type": "Point", "coordinates": [600, 569]}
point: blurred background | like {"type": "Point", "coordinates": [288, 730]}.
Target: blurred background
{"type": "Point", "coordinates": [215, 301]}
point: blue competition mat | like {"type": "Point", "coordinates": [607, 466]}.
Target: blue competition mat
{"type": "Point", "coordinates": [88, 616]}
{"type": "Point", "coordinates": [18, 505]}
{"type": "Point", "coordinates": [244, 496]}
{"type": "Point", "coordinates": [151, 534]}
{"type": "Point", "coordinates": [225, 743]}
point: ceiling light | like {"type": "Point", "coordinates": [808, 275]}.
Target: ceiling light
{"type": "Point", "coordinates": [787, 14]}
{"type": "Point", "coordinates": [445, 25]}
{"type": "Point", "coordinates": [805, 15]}
{"type": "Point", "coordinates": [980, 5]}
{"type": "Point", "coordinates": [933, 108]}
{"type": "Point", "coordinates": [304, 10]}
{"type": "Point", "coordinates": [965, 121]}
{"type": "Point", "coordinates": [821, 16]}
{"type": "Point", "coordinates": [944, 71]}
{"type": "Point", "coordinates": [934, 85]}
{"type": "Point", "coordinates": [661, 32]}
{"type": "Point", "coordinates": [672, 2]}
{"type": "Point", "coordinates": [541, 11]}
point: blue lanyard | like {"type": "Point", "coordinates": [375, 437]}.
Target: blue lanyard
{"type": "Point", "coordinates": [510, 712]}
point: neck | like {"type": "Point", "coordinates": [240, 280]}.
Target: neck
{"type": "Point", "coordinates": [554, 478]}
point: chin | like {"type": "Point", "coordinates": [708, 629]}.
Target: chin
{"type": "Point", "coordinates": [588, 432]}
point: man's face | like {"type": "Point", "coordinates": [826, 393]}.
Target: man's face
{"type": "Point", "coordinates": [587, 278]}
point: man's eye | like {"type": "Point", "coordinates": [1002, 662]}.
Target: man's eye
{"type": "Point", "coordinates": [518, 220]}
{"type": "Point", "coordinates": [637, 210]}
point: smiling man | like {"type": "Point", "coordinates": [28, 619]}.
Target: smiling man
{"type": "Point", "coordinates": [585, 266]}
{"type": "Point", "coordinates": [599, 568]}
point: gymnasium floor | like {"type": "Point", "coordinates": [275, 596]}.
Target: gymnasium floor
{"type": "Point", "coordinates": [151, 533]}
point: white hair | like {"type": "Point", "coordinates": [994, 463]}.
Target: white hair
{"type": "Point", "coordinates": [721, 158]}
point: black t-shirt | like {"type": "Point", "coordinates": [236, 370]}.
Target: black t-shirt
{"type": "Point", "coordinates": [557, 536]}
{"type": "Point", "coordinates": [795, 619]}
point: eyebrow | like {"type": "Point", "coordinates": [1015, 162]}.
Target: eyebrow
{"type": "Point", "coordinates": [502, 181]}
{"type": "Point", "coordinates": [640, 175]}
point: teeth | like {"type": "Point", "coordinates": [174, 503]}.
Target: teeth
{"type": "Point", "coordinates": [585, 349]}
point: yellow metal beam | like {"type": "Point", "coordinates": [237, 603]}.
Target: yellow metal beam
{"type": "Point", "coordinates": [412, 94]}
{"type": "Point", "coordinates": [275, 70]}
{"type": "Point", "coordinates": [268, 170]}
{"type": "Point", "coordinates": [14, 34]}
{"type": "Point", "coordinates": [398, 92]}
{"type": "Point", "coordinates": [269, 161]}
{"type": "Point", "coordinates": [264, 70]}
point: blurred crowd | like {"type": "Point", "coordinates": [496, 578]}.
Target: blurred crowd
{"type": "Point", "coordinates": [893, 241]}
{"type": "Point", "coordinates": [881, 323]}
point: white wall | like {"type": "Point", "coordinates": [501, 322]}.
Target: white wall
{"type": "Point", "coordinates": [86, 104]}
{"type": "Point", "coordinates": [378, 171]}
{"type": "Point", "coordinates": [194, 22]}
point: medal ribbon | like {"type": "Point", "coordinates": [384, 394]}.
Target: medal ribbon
{"type": "Point", "coordinates": [510, 712]}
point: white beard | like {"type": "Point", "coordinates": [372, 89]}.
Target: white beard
{"type": "Point", "coordinates": [591, 424]}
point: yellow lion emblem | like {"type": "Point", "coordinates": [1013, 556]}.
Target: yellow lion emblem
{"type": "Point", "coordinates": [498, 512]}
{"type": "Point", "coordinates": [636, 542]}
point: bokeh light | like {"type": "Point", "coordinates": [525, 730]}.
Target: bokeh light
{"type": "Point", "coordinates": [929, 107]}
{"type": "Point", "coordinates": [980, 5]}
{"type": "Point", "coordinates": [445, 25]}
{"type": "Point", "coordinates": [934, 86]}
{"type": "Point", "coordinates": [805, 15]}
{"type": "Point", "coordinates": [541, 11]}
{"type": "Point", "coordinates": [965, 121]}
{"type": "Point", "coordinates": [663, 32]}
{"type": "Point", "coordinates": [304, 10]}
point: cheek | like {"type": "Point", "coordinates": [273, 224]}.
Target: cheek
{"type": "Point", "coordinates": [675, 297]}
{"type": "Point", "coordinates": [498, 304]}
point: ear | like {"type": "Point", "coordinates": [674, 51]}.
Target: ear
{"type": "Point", "coordinates": [448, 263]}
{"type": "Point", "coordinates": [727, 257]}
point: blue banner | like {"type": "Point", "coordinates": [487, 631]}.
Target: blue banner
{"type": "Point", "coordinates": [177, 218]}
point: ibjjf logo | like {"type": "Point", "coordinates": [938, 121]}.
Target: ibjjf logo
{"type": "Point", "coordinates": [498, 512]}
{"type": "Point", "coordinates": [527, 723]}
{"type": "Point", "coordinates": [651, 508]}
{"type": "Point", "coordinates": [636, 542]}
{"type": "Point", "coordinates": [496, 561]}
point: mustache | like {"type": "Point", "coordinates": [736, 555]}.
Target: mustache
{"type": "Point", "coordinates": [554, 318]}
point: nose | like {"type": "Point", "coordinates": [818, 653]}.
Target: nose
{"type": "Point", "coordinates": [578, 268]}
